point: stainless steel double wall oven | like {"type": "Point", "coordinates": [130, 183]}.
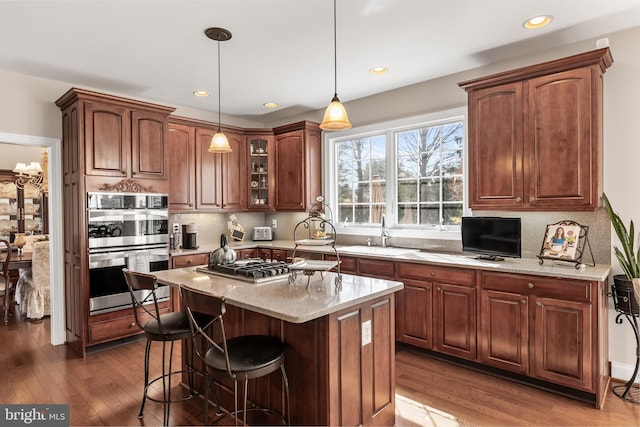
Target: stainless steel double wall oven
{"type": "Point", "coordinates": [125, 230]}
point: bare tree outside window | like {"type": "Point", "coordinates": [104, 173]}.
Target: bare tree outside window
{"type": "Point", "coordinates": [430, 175]}
{"type": "Point", "coordinates": [361, 179]}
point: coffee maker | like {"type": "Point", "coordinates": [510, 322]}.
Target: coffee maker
{"type": "Point", "coordinates": [189, 232]}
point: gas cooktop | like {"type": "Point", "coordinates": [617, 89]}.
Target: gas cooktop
{"type": "Point", "coordinates": [249, 270]}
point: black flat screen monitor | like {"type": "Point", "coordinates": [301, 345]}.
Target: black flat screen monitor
{"type": "Point", "coordinates": [491, 237]}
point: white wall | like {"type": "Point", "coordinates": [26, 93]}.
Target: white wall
{"type": "Point", "coordinates": [27, 107]}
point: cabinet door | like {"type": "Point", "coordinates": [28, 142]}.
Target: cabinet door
{"type": "Point", "coordinates": [181, 167]}
{"type": "Point", "coordinates": [562, 339]}
{"type": "Point", "coordinates": [208, 172]}
{"type": "Point", "coordinates": [148, 145]}
{"type": "Point", "coordinates": [496, 147]}
{"type": "Point", "coordinates": [503, 335]}
{"type": "Point", "coordinates": [261, 172]}
{"type": "Point", "coordinates": [107, 134]}
{"type": "Point", "coordinates": [455, 320]}
{"type": "Point", "coordinates": [562, 149]}
{"type": "Point", "coordinates": [289, 188]}
{"type": "Point", "coordinates": [414, 313]}
{"type": "Point", "coordinates": [233, 175]}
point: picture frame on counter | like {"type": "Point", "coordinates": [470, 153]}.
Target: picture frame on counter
{"type": "Point", "coordinates": [565, 241]}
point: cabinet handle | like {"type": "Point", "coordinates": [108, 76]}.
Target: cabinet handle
{"type": "Point", "coordinates": [433, 274]}
{"type": "Point", "coordinates": [530, 285]}
{"type": "Point", "coordinates": [523, 301]}
{"type": "Point", "coordinates": [538, 303]}
{"type": "Point", "coordinates": [518, 199]}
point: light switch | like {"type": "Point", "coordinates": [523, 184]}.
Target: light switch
{"type": "Point", "coordinates": [366, 333]}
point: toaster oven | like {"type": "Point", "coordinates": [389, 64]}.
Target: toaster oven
{"type": "Point", "coordinates": [262, 233]}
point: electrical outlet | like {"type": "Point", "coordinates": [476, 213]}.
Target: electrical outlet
{"type": "Point", "coordinates": [274, 223]}
{"type": "Point", "coordinates": [366, 333]}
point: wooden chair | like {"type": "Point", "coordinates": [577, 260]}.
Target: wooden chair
{"type": "Point", "coordinates": [241, 358]}
{"type": "Point", "coordinates": [6, 289]}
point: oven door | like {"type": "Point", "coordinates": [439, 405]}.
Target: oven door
{"type": "Point", "coordinates": [108, 289]}
{"type": "Point", "coordinates": [116, 227]}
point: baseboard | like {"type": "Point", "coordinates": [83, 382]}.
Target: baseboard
{"type": "Point", "coordinates": [623, 372]}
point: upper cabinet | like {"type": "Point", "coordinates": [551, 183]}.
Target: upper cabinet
{"type": "Point", "coordinates": [298, 177]}
{"type": "Point", "coordinates": [120, 137]}
{"type": "Point", "coordinates": [535, 136]}
{"type": "Point", "coordinates": [202, 180]}
{"type": "Point", "coordinates": [261, 171]}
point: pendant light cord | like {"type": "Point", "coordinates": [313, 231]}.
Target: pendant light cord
{"type": "Point", "coordinates": [335, 52]}
{"type": "Point", "coordinates": [219, 85]}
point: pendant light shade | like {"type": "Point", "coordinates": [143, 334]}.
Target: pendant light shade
{"type": "Point", "coordinates": [219, 142]}
{"type": "Point", "coordinates": [335, 116]}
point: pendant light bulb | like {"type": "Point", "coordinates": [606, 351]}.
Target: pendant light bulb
{"type": "Point", "coordinates": [335, 116]}
{"type": "Point", "coordinates": [219, 142]}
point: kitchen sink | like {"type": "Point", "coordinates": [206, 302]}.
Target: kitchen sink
{"type": "Point", "coordinates": [376, 250]}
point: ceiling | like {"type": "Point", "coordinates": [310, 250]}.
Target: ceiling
{"type": "Point", "coordinates": [282, 50]}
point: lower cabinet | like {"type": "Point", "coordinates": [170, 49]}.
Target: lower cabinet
{"type": "Point", "coordinates": [540, 327]}
{"type": "Point", "coordinates": [180, 261]}
{"type": "Point", "coordinates": [437, 308]}
{"type": "Point", "coordinates": [118, 324]}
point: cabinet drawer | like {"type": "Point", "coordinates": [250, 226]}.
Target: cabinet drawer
{"type": "Point", "coordinates": [558, 288]}
{"type": "Point", "coordinates": [424, 272]}
{"type": "Point", "coordinates": [189, 260]}
{"type": "Point", "coordinates": [375, 268]}
{"type": "Point", "coordinates": [347, 264]}
{"type": "Point", "coordinates": [118, 328]}
{"type": "Point", "coordinates": [278, 254]}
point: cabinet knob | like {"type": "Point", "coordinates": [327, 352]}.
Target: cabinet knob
{"type": "Point", "coordinates": [190, 261]}
{"type": "Point", "coordinates": [532, 198]}
{"type": "Point", "coordinates": [530, 285]}
{"type": "Point", "coordinates": [439, 289]}
{"type": "Point", "coordinates": [538, 303]}
{"type": "Point", "coordinates": [523, 301]}
{"type": "Point", "coordinates": [518, 199]}
{"type": "Point", "coordinates": [427, 287]}
{"type": "Point", "coordinates": [133, 324]}
{"type": "Point", "coordinates": [433, 274]}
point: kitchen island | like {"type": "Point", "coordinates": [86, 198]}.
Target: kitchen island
{"type": "Point", "coordinates": [340, 342]}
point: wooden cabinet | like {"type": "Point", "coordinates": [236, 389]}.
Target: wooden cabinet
{"type": "Point", "coordinates": [535, 137]}
{"type": "Point", "coordinates": [122, 139]}
{"type": "Point", "coordinates": [220, 178]}
{"type": "Point", "coordinates": [247, 253]}
{"type": "Point", "coordinates": [279, 254]}
{"type": "Point", "coordinates": [370, 267]}
{"type": "Point", "coordinates": [181, 167]}
{"type": "Point", "coordinates": [22, 210]}
{"type": "Point", "coordinates": [189, 260]}
{"type": "Point", "coordinates": [298, 178]}
{"type": "Point", "coordinates": [348, 265]}
{"type": "Point", "coordinates": [200, 180]}
{"type": "Point", "coordinates": [541, 327]}
{"type": "Point", "coordinates": [261, 172]}
{"type": "Point", "coordinates": [436, 309]}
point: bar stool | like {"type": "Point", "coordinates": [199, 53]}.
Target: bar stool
{"type": "Point", "coordinates": [165, 328]}
{"type": "Point", "coordinates": [240, 358]}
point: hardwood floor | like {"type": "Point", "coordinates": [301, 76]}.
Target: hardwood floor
{"type": "Point", "coordinates": [106, 388]}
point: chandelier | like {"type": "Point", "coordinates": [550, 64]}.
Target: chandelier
{"type": "Point", "coordinates": [34, 174]}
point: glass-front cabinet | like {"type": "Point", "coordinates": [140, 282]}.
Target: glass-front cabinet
{"type": "Point", "coordinates": [261, 169]}
{"type": "Point", "coordinates": [22, 210]}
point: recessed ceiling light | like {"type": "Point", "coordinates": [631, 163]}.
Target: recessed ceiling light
{"type": "Point", "coordinates": [200, 93]}
{"type": "Point", "coordinates": [378, 70]}
{"type": "Point", "coordinates": [270, 104]}
{"type": "Point", "coordinates": [537, 22]}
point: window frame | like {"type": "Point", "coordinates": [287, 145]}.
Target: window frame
{"type": "Point", "coordinates": [389, 128]}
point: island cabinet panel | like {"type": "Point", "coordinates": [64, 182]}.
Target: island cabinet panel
{"type": "Point", "coordinates": [336, 376]}
{"type": "Point", "coordinates": [535, 135]}
{"type": "Point", "coordinates": [543, 327]}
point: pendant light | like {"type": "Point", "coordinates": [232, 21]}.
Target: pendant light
{"type": "Point", "coordinates": [219, 142]}
{"type": "Point", "coordinates": [335, 116]}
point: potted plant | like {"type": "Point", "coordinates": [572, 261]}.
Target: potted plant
{"type": "Point", "coordinates": [629, 258]}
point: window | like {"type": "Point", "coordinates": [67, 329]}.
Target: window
{"type": "Point", "coordinates": [411, 171]}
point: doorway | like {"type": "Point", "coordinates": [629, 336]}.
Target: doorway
{"type": "Point", "coordinates": [54, 150]}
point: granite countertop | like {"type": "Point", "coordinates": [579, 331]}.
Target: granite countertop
{"type": "Point", "coordinates": [549, 268]}
{"type": "Point", "coordinates": [293, 303]}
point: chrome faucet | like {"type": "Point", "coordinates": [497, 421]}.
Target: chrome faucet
{"type": "Point", "coordinates": [385, 234]}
